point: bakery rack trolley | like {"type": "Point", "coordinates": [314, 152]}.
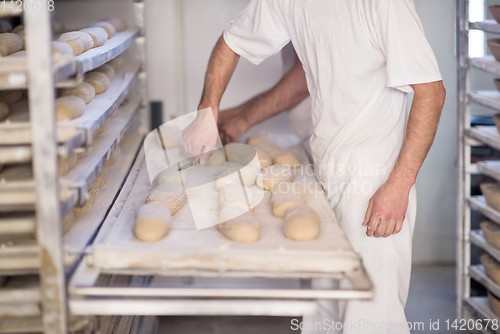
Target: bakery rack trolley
{"type": "Point", "coordinates": [474, 307]}
{"type": "Point", "coordinates": [200, 272]}
{"type": "Point", "coordinates": [34, 197]}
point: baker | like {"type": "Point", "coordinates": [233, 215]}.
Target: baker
{"type": "Point", "coordinates": [361, 58]}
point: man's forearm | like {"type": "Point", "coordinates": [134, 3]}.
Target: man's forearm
{"type": "Point", "coordinates": [220, 69]}
{"type": "Point", "coordinates": [290, 91]}
{"type": "Point", "coordinates": [422, 126]}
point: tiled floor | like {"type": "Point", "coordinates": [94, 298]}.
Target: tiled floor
{"type": "Point", "coordinates": [432, 297]}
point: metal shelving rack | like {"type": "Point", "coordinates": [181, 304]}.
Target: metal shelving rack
{"type": "Point", "coordinates": [474, 307]}
{"type": "Point", "coordinates": [36, 300]}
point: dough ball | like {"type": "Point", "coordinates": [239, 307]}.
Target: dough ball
{"type": "Point", "coordinates": [170, 195]}
{"type": "Point", "coordinates": [171, 176]}
{"type": "Point", "coordinates": [265, 159]}
{"type": "Point", "coordinates": [233, 195]}
{"type": "Point", "coordinates": [287, 160]}
{"type": "Point", "coordinates": [302, 223]}
{"type": "Point", "coordinates": [248, 173]}
{"type": "Point", "coordinates": [243, 228]}
{"type": "Point", "coordinates": [217, 158]}
{"type": "Point", "coordinates": [69, 107]}
{"type": "Point", "coordinates": [284, 196]}
{"type": "Point", "coordinates": [273, 175]}
{"type": "Point", "coordinates": [241, 154]}
{"type": "Point", "coordinates": [153, 222]}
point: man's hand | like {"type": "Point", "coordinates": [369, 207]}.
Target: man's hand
{"type": "Point", "coordinates": [232, 124]}
{"type": "Point", "coordinates": [200, 137]}
{"type": "Point", "coordinates": [387, 210]}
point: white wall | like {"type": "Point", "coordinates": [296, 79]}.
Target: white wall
{"type": "Point", "coordinates": [434, 240]}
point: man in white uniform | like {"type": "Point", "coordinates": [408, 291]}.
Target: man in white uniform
{"type": "Point", "coordinates": [361, 58]}
{"type": "Point", "coordinates": [289, 94]}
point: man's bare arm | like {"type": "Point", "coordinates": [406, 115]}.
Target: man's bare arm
{"type": "Point", "coordinates": [200, 136]}
{"type": "Point", "coordinates": [287, 93]}
{"type": "Point", "coordinates": [220, 69]}
{"type": "Point", "coordinates": [387, 208]}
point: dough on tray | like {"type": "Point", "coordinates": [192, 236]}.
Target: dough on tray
{"type": "Point", "coordinates": [153, 222]}
{"type": "Point", "coordinates": [244, 227]}
{"type": "Point", "coordinates": [92, 196]}
{"type": "Point", "coordinates": [110, 30]}
{"type": "Point", "coordinates": [85, 91]}
{"type": "Point", "coordinates": [217, 159]}
{"type": "Point", "coordinates": [99, 81]}
{"type": "Point", "coordinates": [69, 107]}
{"type": "Point", "coordinates": [102, 178]}
{"type": "Point", "coordinates": [172, 196]}
{"type": "Point", "coordinates": [99, 35]}
{"type": "Point", "coordinates": [108, 70]}
{"type": "Point", "coordinates": [248, 173]}
{"type": "Point", "coordinates": [79, 41]}
{"type": "Point", "coordinates": [273, 175]}
{"type": "Point", "coordinates": [302, 223]}
{"type": "Point", "coordinates": [279, 155]}
{"type": "Point", "coordinates": [171, 176]}
{"type": "Point", "coordinates": [232, 195]}
{"type": "Point", "coordinates": [284, 196]}
{"type": "Point", "coordinates": [11, 96]}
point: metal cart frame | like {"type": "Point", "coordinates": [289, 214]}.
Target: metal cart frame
{"type": "Point", "coordinates": [473, 307]}
{"type": "Point", "coordinates": [40, 76]}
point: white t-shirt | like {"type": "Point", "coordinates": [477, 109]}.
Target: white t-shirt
{"type": "Point", "coordinates": [360, 56]}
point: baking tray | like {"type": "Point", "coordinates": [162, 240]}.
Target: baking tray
{"type": "Point", "coordinates": [198, 252]}
{"type": "Point", "coordinates": [16, 129]}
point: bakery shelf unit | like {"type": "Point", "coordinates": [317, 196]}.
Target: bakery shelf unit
{"type": "Point", "coordinates": [50, 167]}
{"type": "Point", "coordinates": [470, 306]}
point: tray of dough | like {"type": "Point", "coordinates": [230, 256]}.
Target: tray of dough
{"type": "Point", "coordinates": [188, 251]}
{"type": "Point", "coordinates": [16, 128]}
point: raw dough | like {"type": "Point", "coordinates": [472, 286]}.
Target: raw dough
{"type": "Point", "coordinates": [258, 137]}
{"type": "Point", "coordinates": [106, 26]}
{"type": "Point", "coordinates": [171, 176]}
{"type": "Point", "coordinates": [99, 81]}
{"type": "Point", "coordinates": [243, 228]}
{"type": "Point", "coordinates": [265, 159]}
{"type": "Point", "coordinates": [118, 23]}
{"type": "Point", "coordinates": [232, 195]}
{"type": "Point", "coordinates": [302, 223]}
{"type": "Point", "coordinates": [153, 222]}
{"type": "Point", "coordinates": [92, 196]}
{"type": "Point", "coordinates": [248, 173]}
{"type": "Point", "coordinates": [11, 96]}
{"type": "Point", "coordinates": [99, 35]}
{"type": "Point", "coordinates": [79, 41]}
{"type": "Point", "coordinates": [84, 91]}
{"type": "Point", "coordinates": [108, 70]}
{"type": "Point", "coordinates": [69, 107]}
{"type": "Point", "coordinates": [241, 154]}
{"type": "Point", "coordinates": [102, 178]}
{"type": "Point", "coordinates": [217, 158]}
{"type": "Point", "coordinates": [4, 110]}
{"type": "Point", "coordinates": [172, 196]}
{"type": "Point", "coordinates": [279, 155]}
{"type": "Point", "coordinates": [273, 175]}
{"type": "Point", "coordinates": [284, 196]}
